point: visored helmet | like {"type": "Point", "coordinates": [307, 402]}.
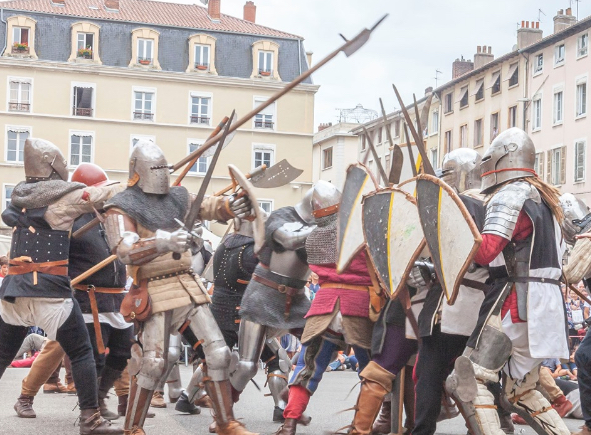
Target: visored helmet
{"type": "Point", "coordinates": [44, 161]}
{"type": "Point", "coordinates": [148, 168]}
{"type": "Point", "coordinates": [575, 211]}
{"type": "Point", "coordinates": [511, 155]}
{"type": "Point", "coordinates": [461, 169]}
{"type": "Point", "coordinates": [320, 200]}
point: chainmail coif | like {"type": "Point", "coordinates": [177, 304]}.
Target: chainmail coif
{"type": "Point", "coordinates": [42, 193]}
{"type": "Point", "coordinates": [321, 244]}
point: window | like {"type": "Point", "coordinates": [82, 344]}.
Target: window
{"type": "Point", "coordinates": [363, 145]}
{"type": "Point", "coordinates": [265, 118]}
{"type": "Point", "coordinates": [143, 107]}
{"type": "Point", "coordinates": [379, 136]}
{"type": "Point", "coordinates": [539, 164]}
{"type": "Point", "coordinates": [263, 155]}
{"type": "Point", "coordinates": [7, 195]}
{"type": "Point", "coordinates": [327, 158]}
{"type": "Point", "coordinates": [581, 95]}
{"type": "Point", "coordinates": [435, 122]}
{"type": "Point", "coordinates": [537, 114]}
{"type": "Point", "coordinates": [556, 166]}
{"type": "Point", "coordinates": [559, 55]}
{"type": "Point", "coordinates": [582, 45]}
{"type": "Point", "coordinates": [580, 161]}
{"type": "Point", "coordinates": [463, 97]}
{"type": "Point", "coordinates": [513, 74]}
{"type": "Point", "coordinates": [496, 83]}
{"type": "Point", "coordinates": [20, 39]}
{"type": "Point", "coordinates": [202, 57]}
{"type": "Point", "coordinates": [494, 125]}
{"type": "Point", "coordinates": [266, 205]}
{"type": "Point", "coordinates": [558, 107]}
{"type": "Point", "coordinates": [447, 142]}
{"type": "Point", "coordinates": [434, 161]}
{"type": "Point", "coordinates": [145, 51]}
{"type": "Point", "coordinates": [479, 90]}
{"type": "Point", "coordinates": [200, 166]}
{"type": "Point", "coordinates": [478, 133]}
{"type": "Point", "coordinates": [80, 148]}
{"type": "Point", "coordinates": [82, 101]}
{"type": "Point", "coordinates": [85, 46]}
{"type": "Point", "coordinates": [265, 63]}
{"type": "Point", "coordinates": [20, 95]}
{"type": "Point", "coordinates": [538, 64]}
{"type": "Point", "coordinates": [512, 116]}
{"type": "Point", "coordinates": [449, 103]}
{"type": "Point", "coordinates": [200, 110]}
{"type": "Point", "coordinates": [463, 136]}
{"type": "Point", "coordinates": [15, 143]}
{"type": "Point", "coordinates": [396, 127]}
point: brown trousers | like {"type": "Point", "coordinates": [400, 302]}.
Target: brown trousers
{"type": "Point", "coordinates": [549, 384]}
{"type": "Point", "coordinates": [121, 385]}
{"type": "Point", "coordinates": [46, 368]}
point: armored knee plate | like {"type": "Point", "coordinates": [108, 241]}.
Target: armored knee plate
{"type": "Point", "coordinates": [493, 349]}
{"type": "Point", "coordinates": [242, 371]}
{"type": "Point", "coordinates": [284, 360]}
{"type": "Point", "coordinates": [217, 356]}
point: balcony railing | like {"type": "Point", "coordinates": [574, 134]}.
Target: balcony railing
{"type": "Point", "coordinates": [81, 111]}
{"type": "Point", "coordinates": [143, 115]}
{"type": "Point", "coordinates": [20, 49]}
{"type": "Point", "coordinates": [199, 120]}
{"type": "Point", "coordinates": [19, 107]}
{"type": "Point", "coordinates": [263, 124]}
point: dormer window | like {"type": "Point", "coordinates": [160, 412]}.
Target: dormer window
{"type": "Point", "coordinates": [20, 39]}
{"type": "Point", "coordinates": [202, 57]}
{"type": "Point", "coordinates": [265, 63]}
{"type": "Point", "coordinates": [85, 45]}
{"type": "Point", "coordinates": [145, 51]}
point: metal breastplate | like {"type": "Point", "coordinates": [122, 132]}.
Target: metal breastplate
{"type": "Point", "coordinates": [289, 265]}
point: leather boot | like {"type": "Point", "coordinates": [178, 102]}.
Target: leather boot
{"type": "Point", "coordinates": [158, 400]}
{"type": "Point", "coordinates": [562, 405]}
{"type": "Point", "coordinates": [375, 381]}
{"type": "Point", "coordinates": [203, 402]}
{"type": "Point", "coordinates": [24, 407]}
{"type": "Point", "coordinates": [105, 382]}
{"type": "Point", "coordinates": [220, 393]}
{"type": "Point", "coordinates": [91, 423]}
{"type": "Point", "coordinates": [58, 387]}
{"type": "Point", "coordinates": [383, 424]}
{"type": "Point", "coordinates": [122, 407]}
{"type": "Point", "coordinates": [184, 405]}
{"type": "Point", "coordinates": [288, 427]}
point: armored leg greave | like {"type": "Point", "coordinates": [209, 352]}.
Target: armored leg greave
{"type": "Point", "coordinates": [172, 375]}
{"type": "Point", "coordinates": [244, 365]}
{"type": "Point", "coordinates": [277, 371]}
{"type": "Point", "coordinates": [195, 388]}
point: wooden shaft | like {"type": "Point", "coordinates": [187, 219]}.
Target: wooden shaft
{"type": "Point", "coordinates": [188, 167]}
{"type": "Point", "coordinates": [94, 269]}
{"type": "Point", "coordinates": [248, 177]}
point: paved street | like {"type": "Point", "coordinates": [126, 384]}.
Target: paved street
{"type": "Point", "coordinates": [56, 415]}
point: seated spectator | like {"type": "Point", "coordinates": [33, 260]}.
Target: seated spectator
{"type": "Point", "coordinates": [313, 285]}
{"type": "Point", "coordinates": [571, 367]}
{"type": "Point", "coordinates": [344, 362]}
{"type": "Point", "coordinates": [32, 343]}
{"type": "Point", "coordinates": [3, 267]}
{"type": "Point", "coordinates": [555, 367]}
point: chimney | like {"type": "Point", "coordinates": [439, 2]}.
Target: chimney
{"type": "Point", "coordinates": [309, 57]}
{"type": "Point", "coordinates": [563, 19]}
{"type": "Point", "coordinates": [461, 67]}
{"type": "Point", "coordinates": [323, 126]}
{"type": "Point", "coordinates": [59, 2]}
{"type": "Point", "coordinates": [213, 9]}
{"type": "Point", "coordinates": [428, 91]}
{"type": "Point", "coordinates": [112, 5]}
{"type": "Point", "coordinates": [527, 36]}
{"type": "Point", "coordinates": [250, 12]}
{"type": "Point", "coordinates": [483, 56]}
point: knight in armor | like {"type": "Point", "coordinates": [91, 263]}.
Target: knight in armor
{"type": "Point", "coordinates": [274, 301]}
{"type": "Point", "coordinates": [339, 316]}
{"type": "Point", "coordinates": [141, 230]}
{"type": "Point", "coordinates": [106, 289]}
{"type": "Point", "coordinates": [37, 290]}
{"type": "Point", "coordinates": [521, 321]}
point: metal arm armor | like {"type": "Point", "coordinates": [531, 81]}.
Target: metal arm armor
{"type": "Point", "coordinates": [125, 242]}
{"type": "Point", "coordinates": [290, 239]}
{"type": "Point", "coordinates": [503, 209]}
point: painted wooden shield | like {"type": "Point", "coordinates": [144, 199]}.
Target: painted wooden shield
{"type": "Point", "coordinates": [450, 232]}
{"type": "Point", "coordinates": [359, 182]}
{"type": "Point", "coordinates": [393, 235]}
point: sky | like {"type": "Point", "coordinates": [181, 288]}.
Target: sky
{"type": "Point", "coordinates": [418, 38]}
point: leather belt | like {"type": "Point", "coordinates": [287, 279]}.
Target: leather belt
{"type": "Point", "coordinates": [477, 285]}
{"type": "Point", "coordinates": [169, 275]}
{"type": "Point", "coordinates": [288, 291]}
{"type": "Point", "coordinates": [534, 279]}
{"type": "Point", "coordinates": [92, 290]}
{"type": "Point", "coordinates": [338, 285]}
{"type": "Point", "coordinates": [23, 265]}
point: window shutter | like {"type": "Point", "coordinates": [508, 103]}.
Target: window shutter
{"type": "Point", "coordinates": [549, 166]}
{"type": "Point", "coordinates": [563, 165]}
{"type": "Point", "coordinates": [541, 165]}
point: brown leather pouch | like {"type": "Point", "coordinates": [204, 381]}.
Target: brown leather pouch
{"type": "Point", "coordinates": [137, 305]}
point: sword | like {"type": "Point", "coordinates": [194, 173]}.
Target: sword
{"type": "Point", "coordinates": [413, 163]}
{"type": "Point", "coordinates": [349, 47]}
{"type": "Point", "coordinates": [397, 157]}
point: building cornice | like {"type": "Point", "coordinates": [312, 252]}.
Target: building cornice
{"type": "Point", "coordinates": [167, 76]}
